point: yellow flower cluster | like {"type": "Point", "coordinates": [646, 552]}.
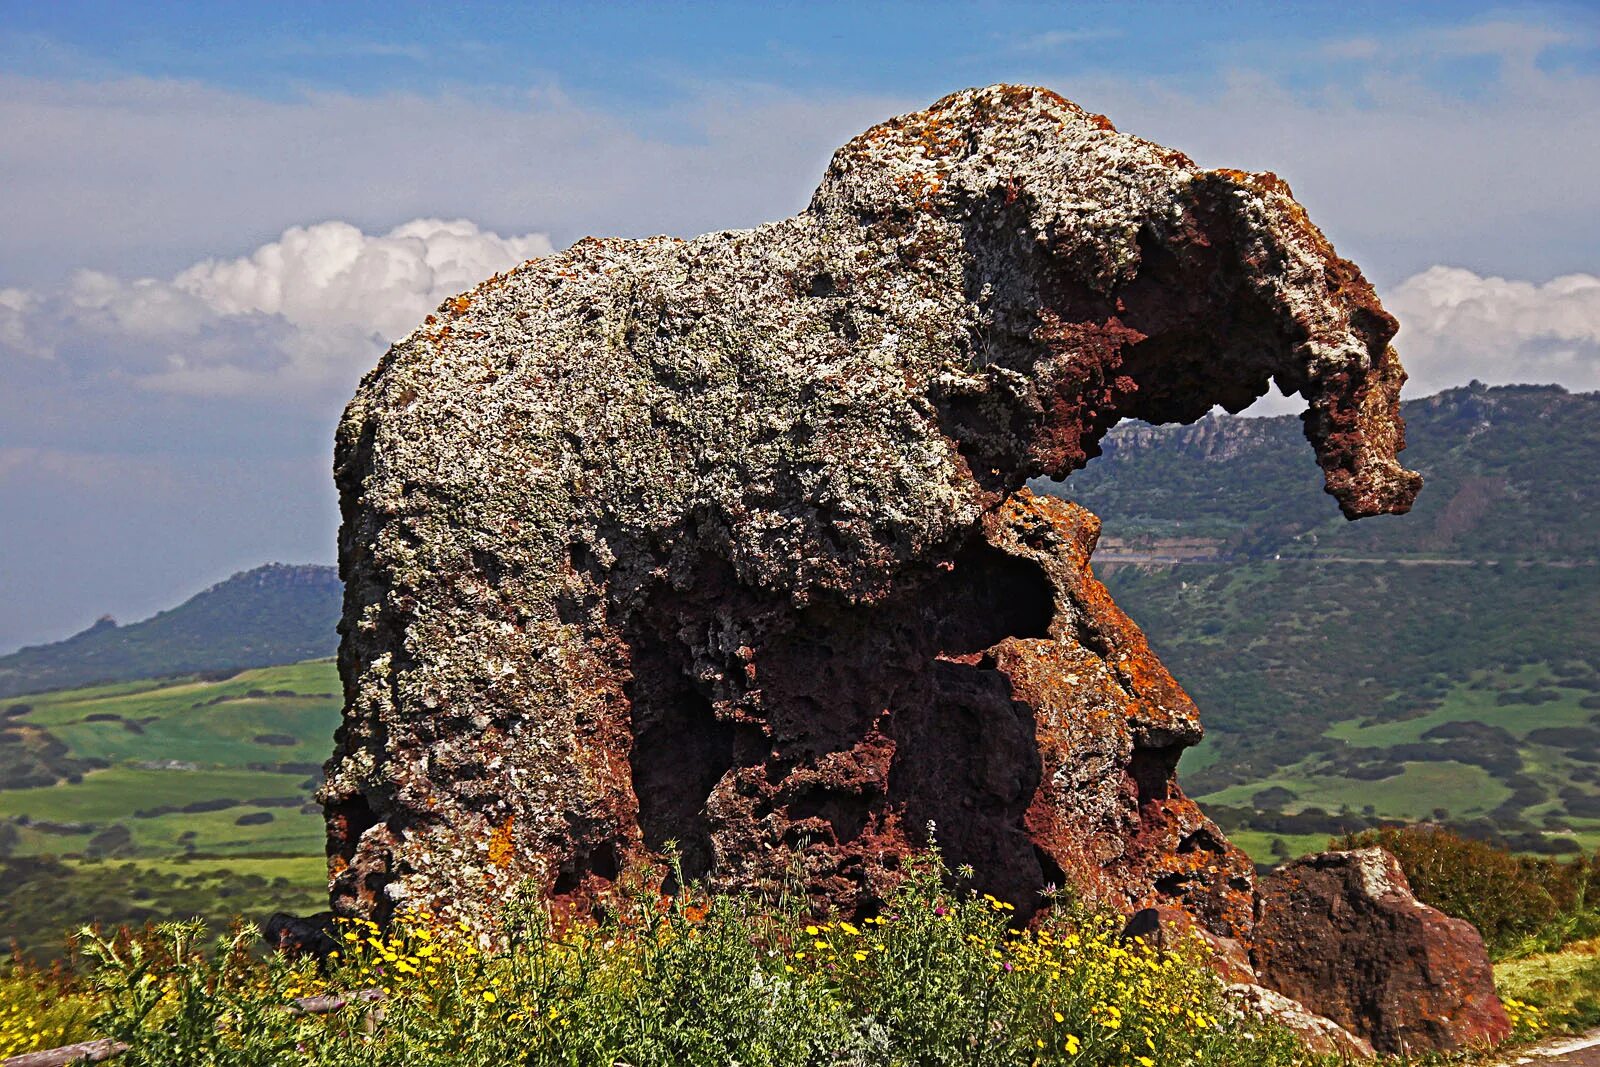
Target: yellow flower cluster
{"type": "Point", "coordinates": [1525, 1018]}
{"type": "Point", "coordinates": [696, 979]}
{"type": "Point", "coordinates": [1105, 996]}
{"type": "Point", "coordinates": [34, 1014]}
{"type": "Point", "coordinates": [416, 955]}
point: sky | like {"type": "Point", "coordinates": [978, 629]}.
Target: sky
{"type": "Point", "coordinates": [213, 218]}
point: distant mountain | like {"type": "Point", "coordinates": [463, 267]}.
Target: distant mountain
{"type": "Point", "coordinates": [1446, 660]}
{"type": "Point", "coordinates": [1511, 473]}
{"type": "Point", "coordinates": [273, 614]}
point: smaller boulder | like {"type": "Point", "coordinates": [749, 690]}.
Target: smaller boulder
{"type": "Point", "coordinates": [1341, 933]}
{"type": "Point", "coordinates": [1169, 928]}
{"type": "Point", "coordinates": [1318, 1033]}
{"type": "Point", "coordinates": [296, 937]}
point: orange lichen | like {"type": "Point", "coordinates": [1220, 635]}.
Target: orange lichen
{"type": "Point", "coordinates": [502, 844]}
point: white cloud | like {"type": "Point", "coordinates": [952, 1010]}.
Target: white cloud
{"type": "Point", "coordinates": [1457, 325]}
{"type": "Point", "coordinates": [310, 310]}
{"type": "Point", "coordinates": [1051, 40]}
{"type": "Point", "coordinates": [333, 275]}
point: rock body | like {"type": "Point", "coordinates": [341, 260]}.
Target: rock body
{"type": "Point", "coordinates": [725, 542]}
{"type": "Point", "coordinates": [1341, 933]}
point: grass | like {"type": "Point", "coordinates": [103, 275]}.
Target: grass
{"type": "Point", "coordinates": [1260, 845]}
{"type": "Point", "coordinates": [1463, 703]}
{"type": "Point", "coordinates": [115, 794]}
{"type": "Point", "coordinates": [1460, 788]}
{"type": "Point", "coordinates": [211, 724]}
{"type": "Point", "coordinates": [1564, 985]}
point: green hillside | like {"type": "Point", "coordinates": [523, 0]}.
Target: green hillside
{"type": "Point", "coordinates": [162, 799]}
{"type": "Point", "coordinates": [1442, 664]}
{"type": "Point", "coordinates": [272, 614]}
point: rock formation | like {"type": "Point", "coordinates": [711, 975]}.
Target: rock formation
{"type": "Point", "coordinates": [725, 541]}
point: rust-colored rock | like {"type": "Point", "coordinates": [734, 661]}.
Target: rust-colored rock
{"type": "Point", "coordinates": [1172, 929]}
{"type": "Point", "coordinates": [1341, 933]}
{"type": "Point", "coordinates": [725, 541]}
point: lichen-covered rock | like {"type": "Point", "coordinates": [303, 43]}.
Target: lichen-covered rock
{"type": "Point", "coordinates": [1320, 1034]}
{"type": "Point", "coordinates": [1341, 933]}
{"type": "Point", "coordinates": [1172, 929]}
{"type": "Point", "coordinates": [722, 541]}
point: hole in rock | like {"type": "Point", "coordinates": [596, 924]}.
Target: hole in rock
{"type": "Point", "coordinates": [347, 821]}
{"type": "Point", "coordinates": [1152, 771]}
{"type": "Point", "coordinates": [601, 861]}
{"type": "Point", "coordinates": [680, 750]}
{"type": "Point", "coordinates": [844, 813]}
{"type": "Point", "coordinates": [1201, 840]}
{"type": "Point", "coordinates": [966, 760]}
{"type": "Point", "coordinates": [1172, 885]}
{"type": "Point", "coordinates": [866, 712]}
{"type": "Point", "coordinates": [1053, 874]}
{"type": "Point", "coordinates": [987, 597]}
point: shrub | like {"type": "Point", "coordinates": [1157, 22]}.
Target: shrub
{"type": "Point", "coordinates": [1520, 904]}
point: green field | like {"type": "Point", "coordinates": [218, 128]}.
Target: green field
{"type": "Point", "coordinates": [170, 798]}
{"type": "Point", "coordinates": [1466, 703]}
{"type": "Point", "coordinates": [1459, 788]}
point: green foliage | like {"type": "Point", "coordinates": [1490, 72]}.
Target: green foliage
{"type": "Point", "coordinates": [194, 816]}
{"type": "Point", "coordinates": [1564, 985]}
{"type": "Point", "coordinates": [1322, 653]}
{"type": "Point", "coordinates": [1509, 475]}
{"type": "Point", "coordinates": [1520, 904]}
{"type": "Point", "coordinates": [41, 897]}
{"type": "Point", "coordinates": [937, 978]}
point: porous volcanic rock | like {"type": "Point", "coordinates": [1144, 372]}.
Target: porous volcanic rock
{"type": "Point", "coordinates": [724, 541]}
{"type": "Point", "coordinates": [1341, 933]}
{"type": "Point", "coordinates": [1171, 929]}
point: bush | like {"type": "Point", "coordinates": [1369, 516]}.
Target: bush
{"type": "Point", "coordinates": [937, 978]}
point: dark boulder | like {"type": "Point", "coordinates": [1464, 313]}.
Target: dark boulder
{"type": "Point", "coordinates": [1341, 933]}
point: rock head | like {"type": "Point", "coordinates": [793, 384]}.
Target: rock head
{"type": "Point", "coordinates": [724, 542]}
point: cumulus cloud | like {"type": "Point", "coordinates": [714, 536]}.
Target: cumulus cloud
{"type": "Point", "coordinates": [307, 311]}
{"type": "Point", "coordinates": [1457, 325]}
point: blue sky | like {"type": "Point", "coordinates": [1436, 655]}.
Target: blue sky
{"type": "Point", "coordinates": [632, 55]}
{"type": "Point", "coordinates": [215, 215]}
